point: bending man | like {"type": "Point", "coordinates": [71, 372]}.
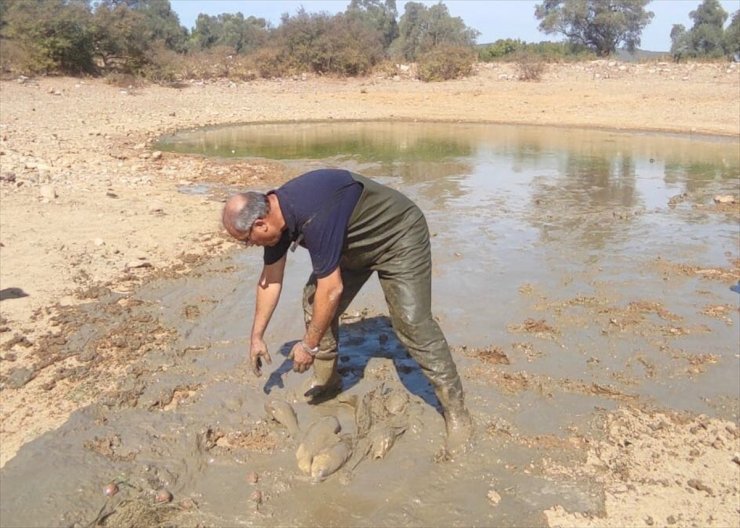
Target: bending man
{"type": "Point", "coordinates": [352, 226]}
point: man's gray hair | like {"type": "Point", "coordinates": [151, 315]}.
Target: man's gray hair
{"type": "Point", "coordinates": [255, 207]}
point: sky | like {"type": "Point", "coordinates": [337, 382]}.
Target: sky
{"type": "Point", "coordinates": [495, 19]}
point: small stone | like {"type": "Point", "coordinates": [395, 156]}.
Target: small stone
{"type": "Point", "coordinates": [99, 242]}
{"type": "Point", "coordinates": [138, 264]}
{"type": "Point", "coordinates": [163, 496]}
{"type": "Point", "coordinates": [649, 521]}
{"type": "Point", "coordinates": [724, 199]}
{"type": "Point", "coordinates": [494, 497]}
{"type": "Point", "coordinates": [47, 192]}
{"type": "Point", "coordinates": [111, 489]}
{"type": "Point", "coordinates": [256, 497]}
{"type": "Point", "coordinates": [671, 519]}
{"type": "Point", "coordinates": [156, 155]}
{"type": "Point", "coordinates": [20, 376]}
{"type": "Point", "coordinates": [252, 477]}
{"type": "Point", "coordinates": [188, 504]}
{"type": "Point", "coordinates": [699, 486]}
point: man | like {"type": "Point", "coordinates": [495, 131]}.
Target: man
{"type": "Point", "coordinates": [352, 226]}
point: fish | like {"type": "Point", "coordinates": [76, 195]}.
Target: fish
{"type": "Point", "coordinates": [363, 416]}
{"type": "Point", "coordinates": [396, 401]}
{"type": "Point", "coordinates": [329, 460]}
{"type": "Point", "coordinates": [383, 438]}
{"type": "Point", "coordinates": [319, 435]}
{"type": "Point", "coordinates": [283, 413]}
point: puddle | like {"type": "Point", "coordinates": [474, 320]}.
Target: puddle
{"type": "Point", "coordinates": [574, 273]}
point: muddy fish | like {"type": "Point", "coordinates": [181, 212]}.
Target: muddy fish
{"type": "Point", "coordinates": [396, 402]}
{"type": "Point", "coordinates": [383, 438]}
{"type": "Point", "coordinates": [320, 435]}
{"type": "Point", "coordinates": [330, 459]}
{"type": "Point", "coordinates": [283, 413]}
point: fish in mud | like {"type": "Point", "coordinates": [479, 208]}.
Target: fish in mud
{"type": "Point", "coordinates": [283, 413]}
{"type": "Point", "coordinates": [319, 435]}
{"type": "Point", "coordinates": [396, 402]}
{"type": "Point", "coordinates": [330, 459]}
{"type": "Point", "coordinates": [383, 438]}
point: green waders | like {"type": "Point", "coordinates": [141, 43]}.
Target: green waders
{"type": "Point", "coordinates": [388, 234]}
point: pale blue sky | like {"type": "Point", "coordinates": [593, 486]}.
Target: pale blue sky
{"type": "Point", "coordinates": [495, 19]}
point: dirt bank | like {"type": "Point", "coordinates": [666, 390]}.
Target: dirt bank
{"type": "Point", "coordinates": [88, 208]}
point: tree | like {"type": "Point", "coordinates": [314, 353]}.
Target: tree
{"type": "Point", "coordinates": [422, 28]}
{"type": "Point", "coordinates": [55, 35]}
{"type": "Point", "coordinates": [243, 35]}
{"type": "Point", "coordinates": [601, 25]}
{"type": "Point", "coordinates": [707, 34]}
{"type": "Point", "coordinates": [732, 37]}
{"type": "Point", "coordinates": [377, 15]}
{"type": "Point", "coordinates": [680, 42]}
{"type": "Point", "coordinates": [324, 44]}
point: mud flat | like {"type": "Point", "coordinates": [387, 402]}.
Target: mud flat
{"type": "Point", "coordinates": [123, 327]}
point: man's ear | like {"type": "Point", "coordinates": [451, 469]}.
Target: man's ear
{"type": "Point", "coordinates": [260, 223]}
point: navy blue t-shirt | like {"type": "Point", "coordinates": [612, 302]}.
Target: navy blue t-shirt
{"type": "Point", "coordinates": [317, 207]}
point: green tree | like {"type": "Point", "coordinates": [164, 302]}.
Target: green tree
{"type": "Point", "coordinates": [118, 42]}
{"type": "Point", "coordinates": [243, 35]}
{"type": "Point", "coordinates": [732, 36]}
{"type": "Point", "coordinates": [320, 43]}
{"type": "Point", "coordinates": [601, 25]}
{"type": "Point", "coordinates": [423, 28]}
{"type": "Point", "coordinates": [680, 42]}
{"type": "Point", "coordinates": [377, 15]}
{"type": "Point", "coordinates": [54, 35]}
{"type": "Point", "coordinates": [707, 33]}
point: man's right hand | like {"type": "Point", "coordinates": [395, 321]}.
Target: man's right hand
{"type": "Point", "coordinates": [257, 351]}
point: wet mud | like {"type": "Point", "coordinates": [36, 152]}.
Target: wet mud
{"type": "Point", "coordinates": [599, 373]}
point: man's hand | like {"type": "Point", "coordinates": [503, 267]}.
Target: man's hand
{"type": "Point", "coordinates": [257, 351]}
{"type": "Point", "coordinates": [302, 360]}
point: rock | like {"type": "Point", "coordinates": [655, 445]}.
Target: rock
{"type": "Point", "coordinates": [47, 192]}
{"type": "Point", "coordinates": [163, 496]}
{"type": "Point", "coordinates": [724, 199]}
{"type": "Point", "coordinates": [138, 264]}
{"type": "Point", "coordinates": [20, 376]}
{"type": "Point", "coordinates": [494, 497]}
{"type": "Point", "coordinates": [256, 497]}
{"type": "Point", "coordinates": [99, 242]}
{"type": "Point", "coordinates": [156, 155]}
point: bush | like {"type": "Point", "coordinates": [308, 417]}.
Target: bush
{"type": "Point", "coordinates": [270, 63]}
{"type": "Point", "coordinates": [446, 62]}
{"type": "Point", "coordinates": [530, 68]}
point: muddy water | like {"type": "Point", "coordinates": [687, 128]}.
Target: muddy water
{"type": "Point", "coordinates": [575, 272]}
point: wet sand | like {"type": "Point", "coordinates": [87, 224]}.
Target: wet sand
{"type": "Point", "coordinates": [120, 317]}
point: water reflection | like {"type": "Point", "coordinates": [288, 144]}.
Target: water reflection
{"type": "Point", "coordinates": [587, 189]}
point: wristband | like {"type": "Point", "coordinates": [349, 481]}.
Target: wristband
{"type": "Point", "coordinates": [313, 351]}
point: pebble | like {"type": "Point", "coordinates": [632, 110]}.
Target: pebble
{"type": "Point", "coordinates": [48, 192]}
{"type": "Point", "coordinates": [252, 477]}
{"type": "Point", "coordinates": [494, 497]}
{"type": "Point", "coordinates": [256, 497]}
{"type": "Point", "coordinates": [163, 496]}
{"type": "Point", "coordinates": [111, 489]}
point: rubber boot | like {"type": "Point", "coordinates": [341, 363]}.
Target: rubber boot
{"type": "Point", "coordinates": [458, 423]}
{"type": "Point", "coordinates": [326, 382]}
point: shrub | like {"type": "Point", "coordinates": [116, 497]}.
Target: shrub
{"type": "Point", "coordinates": [445, 62]}
{"type": "Point", "coordinates": [529, 67]}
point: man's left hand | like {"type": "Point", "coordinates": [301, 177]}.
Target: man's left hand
{"type": "Point", "coordinates": [302, 360]}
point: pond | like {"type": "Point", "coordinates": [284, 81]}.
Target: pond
{"type": "Point", "coordinates": [575, 272]}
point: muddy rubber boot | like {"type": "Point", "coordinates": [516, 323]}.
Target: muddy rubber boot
{"type": "Point", "coordinates": [326, 382]}
{"type": "Point", "coordinates": [458, 423]}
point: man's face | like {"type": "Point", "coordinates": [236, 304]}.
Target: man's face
{"type": "Point", "coordinates": [262, 233]}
